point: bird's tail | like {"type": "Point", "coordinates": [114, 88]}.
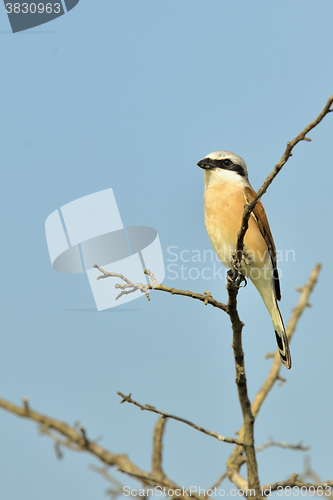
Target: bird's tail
{"type": "Point", "coordinates": [281, 336]}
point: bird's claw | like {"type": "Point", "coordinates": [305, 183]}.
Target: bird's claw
{"type": "Point", "coordinates": [237, 278]}
{"type": "Point", "coordinates": [245, 258]}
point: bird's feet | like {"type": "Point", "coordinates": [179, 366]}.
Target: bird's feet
{"type": "Point", "coordinates": [245, 258]}
{"type": "Point", "coordinates": [236, 278]}
{"type": "Point", "coordinates": [234, 274]}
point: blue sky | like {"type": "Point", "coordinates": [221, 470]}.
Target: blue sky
{"type": "Point", "coordinates": [131, 95]}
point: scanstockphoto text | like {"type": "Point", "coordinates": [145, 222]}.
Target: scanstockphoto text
{"type": "Point", "coordinates": [194, 264]}
{"type": "Point", "coordinates": [281, 491]}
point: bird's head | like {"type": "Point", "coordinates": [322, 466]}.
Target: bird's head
{"type": "Point", "coordinates": [224, 166]}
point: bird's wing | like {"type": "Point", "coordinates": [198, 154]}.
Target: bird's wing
{"type": "Point", "coordinates": [260, 217]}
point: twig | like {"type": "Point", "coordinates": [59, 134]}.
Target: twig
{"type": "Point", "coordinates": [115, 492]}
{"type": "Point", "coordinates": [133, 287]}
{"type": "Point", "coordinates": [219, 481]}
{"type": "Point", "coordinates": [285, 157]}
{"type": "Point", "coordinates": [308, 472]}
{"type": "Point", "coordinates": [287, 446]}
{"type": "Point", "coordinates": [128, 399]}
{"type": "Point", "coordinates": [206, 297]}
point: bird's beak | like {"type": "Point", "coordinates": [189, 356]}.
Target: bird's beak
{"type": "Point", "coordinates": [205, 164]}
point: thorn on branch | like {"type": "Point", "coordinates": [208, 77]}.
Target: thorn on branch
{"type": "Point", "coordinates": [25, 402]}
{"type": "Point", "coordinates": [84, 435]}
{"type": "Point", "coordinates": [208, 295]}
{"type": "Point", "coordinates": [282, 380]}
{"type": "Point", "coordinates": [126, 399]}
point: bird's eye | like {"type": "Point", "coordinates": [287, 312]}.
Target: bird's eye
{"type": "Point", "coordinates": [227, 163]}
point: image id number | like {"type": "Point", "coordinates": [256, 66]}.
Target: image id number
{"type": "Point", "coordinates": [25, 8]}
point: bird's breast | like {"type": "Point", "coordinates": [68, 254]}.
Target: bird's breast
{"type": "Point", "coordinates": [224, 207]}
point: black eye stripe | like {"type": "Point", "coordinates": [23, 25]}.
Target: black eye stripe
{"type": "Point", "coordinates": [227, 164]}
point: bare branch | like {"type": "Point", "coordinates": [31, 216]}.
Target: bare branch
{"type": "Point", "coordinates": [236, 459]}
{"type": "Point", "coordinates": [117, 490]}
{"type": "Point", "coordinates": [132, 287]}
{"type": "Point", "coordinates": [285, 157]}
{"type": "Point", "coordinates": [158, 448]}
{"type": "Point", "coordinates": [77, 440]}
{"type": "Point", "coordinates": [219, 481]}
{"type": "Point", "coordinates": [287, 446]}
{"type": "Point", "coordinates": [249, 414]}
{"type": "Point", "coordinates": [128, 399]}
{"type": "Point", "coordinates": [238, 480]}
{"type": "Point", "coordinates": [206, 297]}
{"type": "Point", "coordinates": [308, 472]}
{"type": "Point", "coordinates": [293, 481]}
{"type": "Point", "coordinates": [248, 426]}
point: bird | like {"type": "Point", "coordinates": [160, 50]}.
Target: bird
{"type": "Point", "coordinates": [227, 190]}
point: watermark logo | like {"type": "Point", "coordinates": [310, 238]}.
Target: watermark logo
{"type": "Point", "coordinates": [194, 264]}
{"type": "Point", "coordinates": [90, 231]}
{"type": "Point", "coordinates": [24, 15]}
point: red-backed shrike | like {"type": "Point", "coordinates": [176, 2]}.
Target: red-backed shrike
{"type": "Point", "coordinates": [227, 190]}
